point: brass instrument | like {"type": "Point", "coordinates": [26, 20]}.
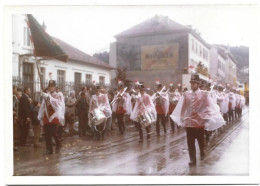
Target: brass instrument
{"type": "Point", "coordinates": [117, 96]}
{"type": "Point", "coordinates": [159, 93]}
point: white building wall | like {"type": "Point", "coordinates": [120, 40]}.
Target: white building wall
{"type": "Point", "coordinates": [213, 62]}
{"type": "Point", "coordinates": [18, 46]}
{"type": "Point", "coordinates": [70, 67]}
{"type": "Point", "coordinates": [221, 71]}
{"type": "Point", "coordinates": [51, 66]}
{"type": "Point", "coordinates": [217, 66]}
{"type": "Point", "coordinates": [195, 57]}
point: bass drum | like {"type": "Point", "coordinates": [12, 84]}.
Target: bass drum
{"type": "Point", "coordinates": [97, 117]}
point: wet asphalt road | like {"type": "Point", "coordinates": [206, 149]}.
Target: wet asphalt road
{"type": "Point", "coordinates": [124, 155]}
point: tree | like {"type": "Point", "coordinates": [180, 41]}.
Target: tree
{"type": "Point", "coordinates": [103, 56]}
{"type": "Point", "coordinates": [121, 74]}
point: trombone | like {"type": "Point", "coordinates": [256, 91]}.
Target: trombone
{"type": "Point", "coordinates": [159, 93]}
{"type": "Point", "coordinates": [116, 97]}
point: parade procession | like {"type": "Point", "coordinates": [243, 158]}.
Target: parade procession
{"type": "Point", "coordinates": [134, 115]}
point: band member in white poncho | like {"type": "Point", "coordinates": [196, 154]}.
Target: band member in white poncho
{"type": "Point", "coordinates": [240, 104]}
{"type": "Point", "coordinates": [144, 113]}
{"type": "Point", "coordinates": [196, 111]}
{"type": "Point", "coordinates": [99, 111]}
{"type": "Point", "coordinates": [174, 97]}
{"type": "Point", "coordinates": [52, 112]}
{"type": "Point", "coordinates": [240, 101]}
{"type": "Point", "coordinates": [231, 104]}
{"type": "Point", "coordinates": [121, 105]}
{"type": "Point", "coordinates": [134, 95]}
{"type": "Point", "coordinates": [161, 102]}
{"type": "Point", "coordinates": [222, 101]}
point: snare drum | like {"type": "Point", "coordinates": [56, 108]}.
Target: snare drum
{"type": "Point", "coordinates": [146, 119]}
{"type": "Point", "coordinates": [98, 116]}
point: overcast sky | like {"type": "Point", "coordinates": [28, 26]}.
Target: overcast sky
{"type": "Point", "coordinates": [92, 28]}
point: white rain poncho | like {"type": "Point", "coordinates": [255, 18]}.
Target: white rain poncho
{"type": "Point", "coordinates": [222, 101]}
{"type": "Point", "coordinates": [56, 101]}
{"type": "Point", "coordinates": [143, 104]}
{"type": "Point", "coordinates": [125, 102]}
{"type": "Point", "coordinates": [240, 101]}
{"type": "Point", "coordinates": [101, 102]}
{"type": "Point", "coordinates": [213, 95]}
{"type": "Point", "coordinates": [174, 97]}
{"type": "Point", "coordinates": [232, 100]}
{"type": "Point", "coordinates": [197, 110]}
{"type": "Point", "coordinates": [163, 100]}
{"type": "Point", "coordinates": [226, 101]}
{"type": "Point", "coordinates": [129, 104]}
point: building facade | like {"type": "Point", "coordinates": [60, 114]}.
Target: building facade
{"type": "Point", "coordinates": [160, 48]}
{"type": "Point", "coordinates": [218, 61]}
{"type": "Point", "coordinates": [223, 65]}
{"type": "Point", "coordinates": [80, 69]}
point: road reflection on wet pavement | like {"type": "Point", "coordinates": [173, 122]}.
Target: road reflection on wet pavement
{"type": "Point", "coordinates": [124, 155]}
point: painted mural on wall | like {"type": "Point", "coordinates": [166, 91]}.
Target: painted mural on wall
{"type": "Point", "coordinates": [159, 56]}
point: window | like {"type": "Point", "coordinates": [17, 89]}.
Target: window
{"type": "Point", "coordinates": [26, 37]}
{"type": "Point", "coordinates": [196, 47]}
{"type": "Point", "coordinates": [60, 77]}
{"type": "Point", "coordinates": [77, 78]}
{"type": "Point", "coordinates": [200, 51]}
{"type": "Point", "coordinates": [28, 75]}
{"type": "Point", "coordinates": [42, 74]}
{"type": "Point", "coordinates": [192, 45]}
{"type": "Point", "coordinates": [206, 55]}
{"type": "Point", "coordinates": [88, 78]}
{"type": "Point", "coordinates": [102, 80]}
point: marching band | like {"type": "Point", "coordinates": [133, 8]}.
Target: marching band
{"type": "Point", "coordinates": [202, 109]}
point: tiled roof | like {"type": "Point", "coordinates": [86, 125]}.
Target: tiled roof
{"type": "Point", "coordinates": [157, 24]}
{"type": "Point", "coordinates": [76, 54]}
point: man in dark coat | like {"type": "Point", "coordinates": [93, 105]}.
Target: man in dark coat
{"type": "Point", "coordinates": [82, 108]}
{"type": "Point", "coordinates": [24, 108]}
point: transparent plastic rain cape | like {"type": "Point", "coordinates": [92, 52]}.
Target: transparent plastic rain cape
{"type": "Point", "coordinates": [143, 103]}
{"type": "Point", "coordinates": [222, 101]}
{"type": "Point", "coordinates": [57, 102]}
{"type": "Point", "coordinates": [127, 105]}
{"type": "Point", "coordinates": [164, 101]}
{"type": "Point", "coordinates": [102, 103]}
{"type": "Point", "coordinates": [197, 111]}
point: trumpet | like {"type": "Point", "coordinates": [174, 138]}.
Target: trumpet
{"type": "Point", "coordinates": [116, 97]}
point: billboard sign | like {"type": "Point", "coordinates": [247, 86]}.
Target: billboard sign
{"type": "Point", "coordinates": [162, 56]}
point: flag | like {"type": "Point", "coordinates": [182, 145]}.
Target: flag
{"type": "Point", "coordinates": [44, 45]}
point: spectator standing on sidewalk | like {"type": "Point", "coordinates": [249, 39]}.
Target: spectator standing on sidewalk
{"type": "Point", "coordinates": [70, 111]}
{"type": "Point", "coordinates": [82, 108]}
{"type": "Point", "coordinates": [24, 115]}
{"type": "Point", "coordinates": [36, 124]}
{"type": "Point", "coordinates": [16, 96]}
